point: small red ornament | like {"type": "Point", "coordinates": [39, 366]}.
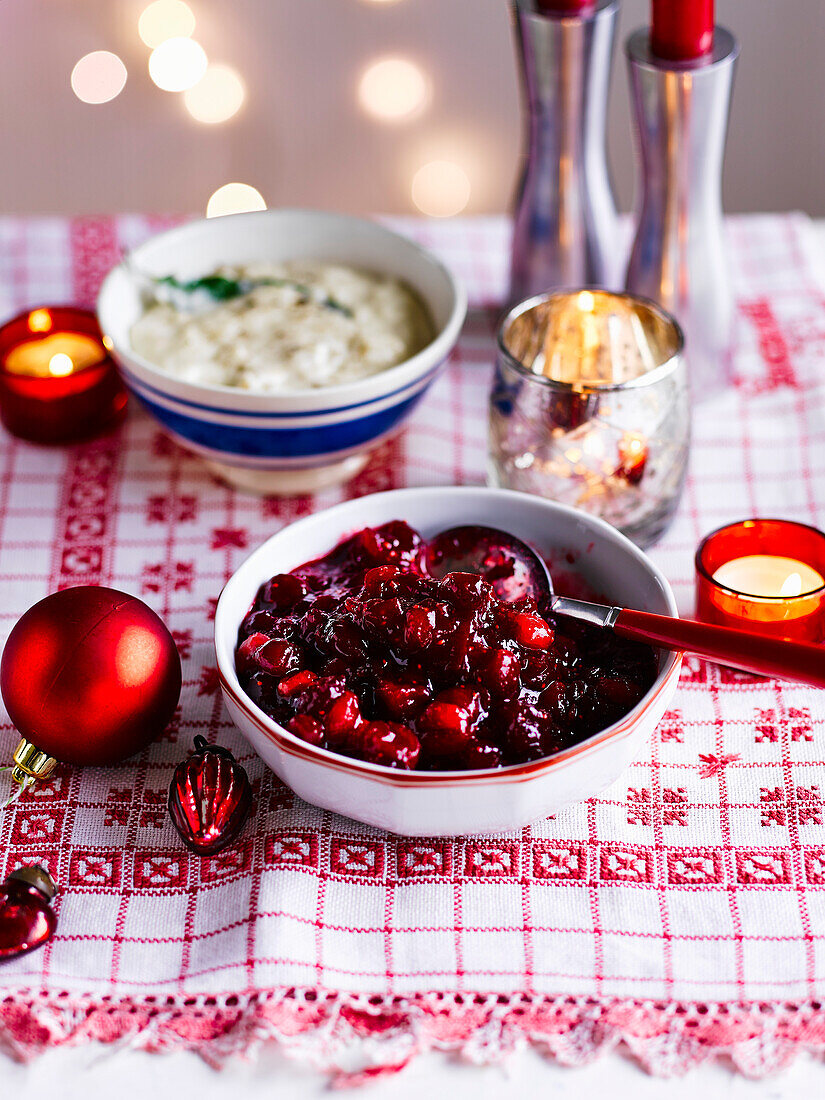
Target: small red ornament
{"type": "Point", "coordinates": [26, 919]}
{"type": "Point", "coordinates": [89, 675]}
{"type": "Point", "coordinates": [209, 798]}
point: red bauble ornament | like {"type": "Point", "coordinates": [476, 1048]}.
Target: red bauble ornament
{"type": "Point", "coordinates": [89, 676]}
{"type": "Point", "coordinates": [209, 798]}
{"type": "Point", "coordinates": [26, 919]}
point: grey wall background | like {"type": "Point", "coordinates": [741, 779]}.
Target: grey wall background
{"type": "Point", "coordinates": [302, 137]}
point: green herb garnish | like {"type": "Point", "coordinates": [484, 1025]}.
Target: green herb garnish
{"type": "Point", "coordinates": [222, 289]}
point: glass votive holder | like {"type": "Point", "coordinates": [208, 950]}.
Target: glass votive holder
{"type": "Point", "coordinates": [590, 407]}
{"type": "Point", "coordinates": [764, 575]}
{"type": "Point", "coordinates": [58, 381]}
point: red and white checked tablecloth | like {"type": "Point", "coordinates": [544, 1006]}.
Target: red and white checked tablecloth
{"type": "Point", "coordinates": [683, 911]}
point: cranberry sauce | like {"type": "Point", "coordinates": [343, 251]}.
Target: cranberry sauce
{"type": "Point", "coordinates": [362, 653]}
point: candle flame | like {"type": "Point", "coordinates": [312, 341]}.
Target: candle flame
{"type": "Point", "coordinates": [634, 444]}
{"type": "Point", "coordinates": [586, 302]}
{"type": "Point", "coordinates": [791, 586]}
{"type": "Point", "coordinates": [633, 455]}
{"type": "Point", "coordinates": [40, 320]}
{"type": "Point", "coordinates": [61, 365]}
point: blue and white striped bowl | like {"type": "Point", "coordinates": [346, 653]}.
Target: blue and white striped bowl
{"type": "Point", "coordinates": [304, 440]}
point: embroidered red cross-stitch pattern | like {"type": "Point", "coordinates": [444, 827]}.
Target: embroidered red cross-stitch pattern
{"type": "Point", "coordinates": [682, 911]}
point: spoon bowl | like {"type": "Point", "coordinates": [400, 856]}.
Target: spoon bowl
{"type": "Point", "coordinates": [511, 567]}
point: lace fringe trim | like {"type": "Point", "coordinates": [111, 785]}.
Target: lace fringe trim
{"type": "Point", "coordinates": [356, 1038]}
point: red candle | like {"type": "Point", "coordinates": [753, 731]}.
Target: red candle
{"type": "Point", "coordinates": [58, 382]}
{"type": "Point", "coordinates": [681, 30]}
{"type": "Point", "coordinates": [565, 7]}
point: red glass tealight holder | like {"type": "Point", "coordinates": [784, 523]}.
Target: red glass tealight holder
{"type": "Point", "coordinates": [766, 576]}
{"type": "Point", "coordinates": [58, 382]}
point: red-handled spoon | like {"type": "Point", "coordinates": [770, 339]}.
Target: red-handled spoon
{"type": "Point", "coordinates": [516, 571]}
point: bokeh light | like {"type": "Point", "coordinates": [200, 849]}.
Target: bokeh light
{"type": "Point", "coordinates": [98, 77]}
{"type": "Point", "coordinates": [165, 19]}
{"type": "Point", "coordinates": [393, 89]}
{"type": "Point", "coordinates": [234, 198]}
{"type": "Point", "coordinates": [217, 96]}
{"type": "Point", "coordinates": [441, 189]}
{"type": "Point", "coordinates": [40, 320]}
{"type": "Point", "coordinates": [177, 64]}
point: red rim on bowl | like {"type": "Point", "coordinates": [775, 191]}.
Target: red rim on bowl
{"type": "Point", "coordinates": [294, 746]}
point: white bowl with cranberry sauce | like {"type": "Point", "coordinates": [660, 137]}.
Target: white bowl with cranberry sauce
{"type": "Point", "coordinates": [447, 803]}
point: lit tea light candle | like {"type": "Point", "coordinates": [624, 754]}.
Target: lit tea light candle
{"type": "Point", "coordinates": [55, 356]}
{"type": "Point", "coordinates": [766, 575]}
{"type": "Point", "coordinates": [590, 407]}
{"type": "Point", "coordinates": [58, 382]}
{"type": "Point", "coordinates": [595, 338]}
{"type": "Point", "coordinates": [746, 577]}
